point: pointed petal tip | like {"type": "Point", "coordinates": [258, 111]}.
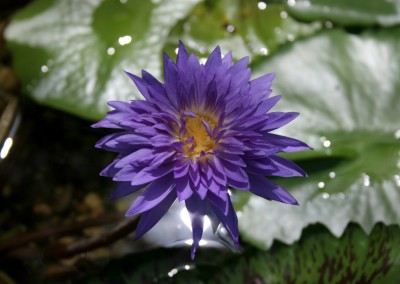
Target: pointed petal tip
{"type": "Point", "coordinates": [181, 47]}
{"type": "Point", "coordinates": [98, 124]}
{"type": "Point", "coordinates": [272, 75]}
{"type": "Point", "coordinates": [127, 73]}
{"type": "Point", "coordinates": [289, 199]}
{"type": "Point", "coordinates": [137, 236]}
{"type": "Point", "coordinates": [193, 250]}
{"type": "Point", "coordinates": [293, 202]}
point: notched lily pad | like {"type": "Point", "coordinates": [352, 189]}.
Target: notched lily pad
{"type": "Point", "coordinates": [319, 257]}
{"type": "Point", "coordinates": [346, 89]}
{"type": "Point", "coordinates": [71, 54]}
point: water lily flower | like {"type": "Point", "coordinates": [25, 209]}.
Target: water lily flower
{"type": "Point", "coordinates": [203, 131]}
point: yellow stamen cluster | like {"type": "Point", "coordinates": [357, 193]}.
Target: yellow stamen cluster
{"type": "Point", "coordinates": [202, 141]}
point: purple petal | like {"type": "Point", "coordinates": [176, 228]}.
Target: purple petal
{"type": "Point", "coordinates": [267, 104]}
{"type": "Point", "coordinates": [182, 56]}
{"type": "Point", "coordinates": [183, 188]}
{"type": "Point", "coordinates": [130, 141]}
{"type": "Point", "coordinates": [262, 83]}
{"type": "Point", "coordinates": [262, 166]}
{"type": "Point", "coordinates": [254, 122]}
{"type": "Point", "coordinates": [279, 119]}
{"type": "Point", "coordinates": [261, 86]}
{"type": "Point", "coordinates": [233, 159]}
{"type": "Point", "coordinates": [286, 168]}
{"type": "Point", "coordinates": [236, 176]}
{"type": "Point", "coordinates": [229, 219]}
{"type": "Point", "coordinates": [125, 174]}
{"type": "Point", "coordinates": [219, 200]}
{"type": "Point", "coordinates": [152, 216]}
{"type": "Point", "coordinates": [213, 217]}
{"type": "Point", "coordinates": [149, 174]}
{"type": "Point", "coordinates": [197, 210]}
{"type": "Point", "coordinates": [239, 66]}
{"type": "Point", "coordinates": [140, 84]}
{"type": "Point", "coordinates": [105, 123]}
{"type": "Point", "coordinates": [194, 175]}
{"type": "Point", "coordinates": [267, 189]}
{"type": "Point", "coordinates": [102, 142]}
{"type": "Point", "coordinates": [181, 169]}
{"type": "Point", "coordinates": [123, 189]}
{"type": "Point", "coordinates": [213, 62]}
{"type": "Point", "coordinates": [121, 106]}
{"type": "Point", "coordinates": [171, 80]}
{"type": "Point", "coordinates": [110, 170]}
{"type": "Point", "coordinates": [153, 195]}
{"type": "Point", "coordinates": [202, 189]}
{"type": "Point", "coordinates": [140, 156]}
{"type": "Point", "coordinates": [287, 144]}
{"type": "Point", "coordinates": [216, 175]}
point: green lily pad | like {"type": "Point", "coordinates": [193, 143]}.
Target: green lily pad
{"type": "Point", "coordinates": [319, 257]}
{"type": "Point", "coordinates": [352, 13]}
{"type": "Point", "coordinates": [346, 89]}
{"type": "Point", "coordinates": [246, 28]}
{"type": "Point", "coordinates": [71, 54]}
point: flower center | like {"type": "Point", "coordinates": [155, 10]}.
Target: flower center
{"type": "Point", "coordinates": [196, 138]}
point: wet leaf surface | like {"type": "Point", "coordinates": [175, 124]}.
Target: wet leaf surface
{"type": "Point", "coordinates": [351, 13]}
{"type": "Point", "coordinates": [321, 258]}
{"type": "Point", "coordinates": [318, 257]}
{"type": "Point", "coordinates": [68, 56]}
{"type": "Point", "coordinates": [72, 55]}
{"type": "Point", "coordinates": [347, 91]}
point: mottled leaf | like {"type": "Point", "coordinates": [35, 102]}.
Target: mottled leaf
{"type": "Point", "coordinates": [353, 13]}
{"type": "Point", "coordinates": [319, 257]}
{"type": "Point", "coordinates": [71, 54]}
{"type": "Point", "coordinates": [247, 28]}
{"type": "Point", "coordinates": [347, 90]}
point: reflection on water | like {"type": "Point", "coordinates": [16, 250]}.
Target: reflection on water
{"type": "Point", "coordinates": [230, 28]}
{"type": "Point", "coordinates": [397, 179]}
{"type": "Point", "coordinates": [365, 179]}
{"type": "Point", "coordinates": [262, 5]}
{"type": "Point", "coordinates": [44, 68]}
{"type": "Point", "coordinates": [284, 14]}
{"type": "Point", "coordinates": [397, 134]}
{"type": "Point", "coordinates": [184, 216]}
{"type": "Point", "coordinates": [185, 267]}
{"type": "Point", "coordinates": [263, 51]}
{"type": "Point", "coordinates": [124, 40]}
{"type": "Point", "coordinates": [6, 148]}
{"type": "Point", "coordinates": [10, 119]}
{"type": "Point", "coordinates": [325, 195]}
{"type": "Point", "coordinates": [175, 230]}
{"type": "Point", "coordinates": [111, 51]}
{"type": "Point", "coordinates": [326, 143]}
